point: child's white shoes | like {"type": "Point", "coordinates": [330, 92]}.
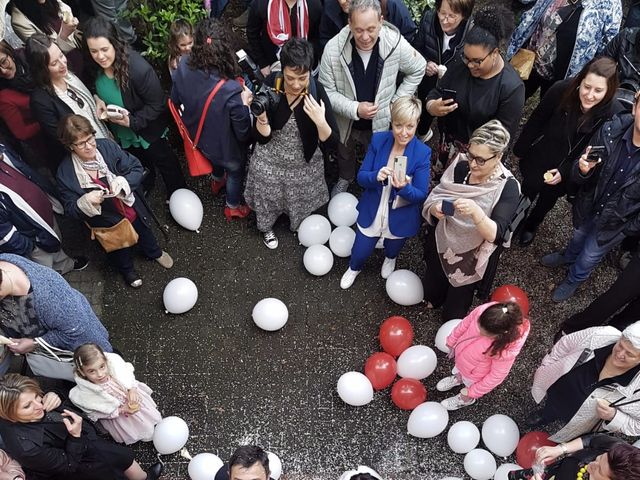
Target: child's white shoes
{"type": "Point", "coordinates": [456, 403]}
{"type": "Point", "coordinates": [448, 383]}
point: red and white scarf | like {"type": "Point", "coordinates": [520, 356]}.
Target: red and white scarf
{"type": "Point", "coordinates": [279, 23]}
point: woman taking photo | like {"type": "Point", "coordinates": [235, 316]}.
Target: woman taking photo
{"type": "Point", "coordinates": [121, 77]}
{"type": "Point", "coordinates": [226, 131]}
{"type": "Point", "coordinates": [390, 204]}
{"type": "Point", "coordinates": [52, 443]}
{"type": "Point", "coordinates": [558, 131]}
{"type": "Point", "coordinates": [482, 87]}
{"type": "Point", "coordinates": [58, 92]}
{"type": "Point", "coordinates": [468, 214]}
{"type": "Point", "coordinates": [286, 172]}
{"type": "Point", "coordinates": [98, 184]}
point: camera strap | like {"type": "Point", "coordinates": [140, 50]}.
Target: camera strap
{"type": "Point", "coordinates": [204, 110]}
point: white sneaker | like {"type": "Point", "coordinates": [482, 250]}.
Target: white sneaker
{"type": "Point", "coordinates": [456, 403]}
{"type": "Point", "coordinates": [270, 240]}
{"type": "Point", "coordinates": [388, 266]}
{"type": "Point", "coordinates": [448, 383]}
{"type": "Point", "coordinates": [348, 278]}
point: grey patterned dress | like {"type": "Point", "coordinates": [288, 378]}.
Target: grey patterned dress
{"type": "Point", "coordinates": [281, 181]}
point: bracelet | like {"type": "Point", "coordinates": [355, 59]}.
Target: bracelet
{"type": "Point", "coordinates": [565, 452]}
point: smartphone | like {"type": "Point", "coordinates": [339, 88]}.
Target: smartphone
{"type": "Point", "coordinates": [595, 153]}
{"type": "Point", "coordinates": [448, 208]}
{"type": "Point", "coordinates": [400, 167]}
{"type": "Point", "coordinates": [448, 94]}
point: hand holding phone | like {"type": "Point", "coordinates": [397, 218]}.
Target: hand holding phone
{"type": "Point", "coordinates": [595, 154]}
{"type": "Point", "coordinates": [448, 208]}
{"type": "Point", "coordinates": [449, 94]}
{"type": "Point", "coordinates": [400, 167]}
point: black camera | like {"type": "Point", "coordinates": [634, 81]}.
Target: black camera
{"type": "Point", "coordinates": [265, 98]}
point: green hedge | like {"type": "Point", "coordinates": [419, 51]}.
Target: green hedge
{"type": "Point", "coordinates": [416, 7]}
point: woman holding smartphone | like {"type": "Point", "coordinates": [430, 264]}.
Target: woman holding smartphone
{"type": "Point", "coordinates": [468, 213]}
{"type": "Point", "coordinates": [395, 178]}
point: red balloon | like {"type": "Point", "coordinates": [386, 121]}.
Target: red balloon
{"type": "Point", "coordinates": [396, 335]}
{"type": "Point", "coordinates": [380, 368]}
{"type": "Point", "coordinates": [511, 293]}
{"type": "Point", "coordinates": [527, 446]}
{"type": "Point", "coordinates": [408, 393]}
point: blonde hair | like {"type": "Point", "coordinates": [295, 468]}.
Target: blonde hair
{"type": "Point", "coordinates": [12, 385]}
{"type": "Point", "coordinates": [87, 354]}
{"type": "Point", "coordinates": [493, 135]}
{"type": "Point", "coordinates": [406, 109]}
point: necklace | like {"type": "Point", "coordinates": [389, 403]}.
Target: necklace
{"type": "Point", "coordinates": [582, 474]}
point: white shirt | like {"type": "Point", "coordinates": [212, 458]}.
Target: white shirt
{"type": "Point", "coordinates": [365, 55]}
{"type": "Point", "coordinates": [445, 41]}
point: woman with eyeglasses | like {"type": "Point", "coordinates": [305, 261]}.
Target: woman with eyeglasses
{"type": "Point", "coordinates": [440, 39]}
{"type": "Point", "coordinates": [99, 185]}
{"type": "Point", "coordinates": [467, 214]}
{"type": "Point", "coordinates": [481, 87]}
{"type": "Point", "coordinates": [58, 92]}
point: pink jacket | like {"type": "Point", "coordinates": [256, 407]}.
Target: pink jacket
{"type": "Point", "coordinates": [486, 372]}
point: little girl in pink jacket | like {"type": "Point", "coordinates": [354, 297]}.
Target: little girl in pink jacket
{"type": "Point", "coordinates": [485, 345]}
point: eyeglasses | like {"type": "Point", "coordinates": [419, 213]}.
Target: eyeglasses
{"type": "Point", "coordinates": [5, 63]}
{"type": "Point", "coordinates": [89, 141]}
{"type": "Point", "coordinates": [477, 62]}
{"type": "Point", "coordinates": [74, 96]}
{"type": "Point", "coordinates": [480, 161]}
{"type": "Point", "coordinates": [452, 17]}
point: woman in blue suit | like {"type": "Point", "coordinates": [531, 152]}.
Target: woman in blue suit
{"type": "Point", "coordinates": [390, 204]}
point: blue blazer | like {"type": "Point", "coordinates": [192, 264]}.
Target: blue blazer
{"type": "Point", "coordinates": [404, 221]}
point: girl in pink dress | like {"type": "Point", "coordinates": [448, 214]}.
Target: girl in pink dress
{"type": "Point", "coordinates": [107, 392]}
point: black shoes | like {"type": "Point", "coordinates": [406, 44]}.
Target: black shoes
{"type": "Point", "coordinates": [535, 419]}
{"type": "Point", "coordinates": [133, 279]}
{"type": "Point", "coordinates": [527, 237]}
{"type": "Point", "coordinates": [80, 263]}
{"type": "Point", "coordinates": [155, 471]}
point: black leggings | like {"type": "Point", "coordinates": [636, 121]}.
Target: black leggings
{"type": "Point", "coordinates": [160, 155]}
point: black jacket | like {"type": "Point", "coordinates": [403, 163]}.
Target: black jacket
{"type": "Point", "coordinates": [620, 212]}
{"type": "Point", "coordinates": [263, 51]}
{"type": "Point", "coordinates": [622, 48]}
{"type": "Point", "coordinates": [48, 110]}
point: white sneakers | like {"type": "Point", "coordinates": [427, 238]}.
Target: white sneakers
{"type": "Point", "coordinates": [456, 403]}
{"type": "Point", "coordinates": [270, 240]}
{"type": "Point", "coordinates": [348, 278]}
{"type": "Point", "coordinates": [388, 266]}
{"type": "Point", "coordinates": [448, 383]}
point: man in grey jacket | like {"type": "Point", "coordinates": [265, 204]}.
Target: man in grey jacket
{"type": "Point", "coordinates": [359, 71]}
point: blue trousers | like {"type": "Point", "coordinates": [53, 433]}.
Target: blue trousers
{"type": "Point", "coordinates": [584, 252]}
{"type": "Point", "coordinates": [235, 178]}
{"type": "Point", "coordinates": [363, 247]}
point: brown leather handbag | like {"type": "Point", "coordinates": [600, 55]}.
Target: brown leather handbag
{"type": "Point", "coordinates": [119, 236]}
{"type": "Point", "coordinates": [523, 62]}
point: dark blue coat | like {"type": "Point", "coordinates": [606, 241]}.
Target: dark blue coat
{"type": "Point", "coordinates": [404, 221]}
{"type": "Point", "coordinates": [227, 127]}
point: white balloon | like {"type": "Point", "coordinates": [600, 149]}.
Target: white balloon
{"type": "Point", "coordinates": [180, 295]}
{"type": "Point", "coordinates": [318, 260]}
{"type": "Point", "coordinates": [341, 240]}
{"type": "Point", "coordinates": [186, 209]}
{"type": "Point", "coordinates": [275, 466]}
{"type": "Point", "coordinates": [427, 420]}
{"type": "Point", "coordinates": [342, 209]}
{"type": "Point", "coordinates": [479, 464]}
{"type": "Point", "coordinates": [418, 362]}
{"type": "Point", "coordinates": [463, 437]}
{"type": "Point", "coordinates": [355, 389]}
{"type": "Point", "coordinates": [443, 332]}
{"type": "Point", "coordinates": [204, 466]}
{"type": "Point", "coordinates": [170, 435]}
{"type": "Point", "coordinates": [503, 471]}
{"type": "Point", "coordinates": [405, 288]}
{"type": "Point", "coordinates": [270, 314]}
{"type": "Point", "coordinates": [500, 434]}
{"type": "Point", "coordinates": [314, 230]}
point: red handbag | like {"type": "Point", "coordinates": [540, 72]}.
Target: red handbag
{"type": "Point", "coordinates": [197, 162]}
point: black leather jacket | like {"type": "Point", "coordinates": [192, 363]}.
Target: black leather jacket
{"type": "Point", "coordinates": [623, 49]}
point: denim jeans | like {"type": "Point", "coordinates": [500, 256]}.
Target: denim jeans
{"type": "Point", "coordinates": [363, 247]}
{"type": "Point", "coordinates": [234, 183]}
{"type": "Point", "coordinates": [584, 252]}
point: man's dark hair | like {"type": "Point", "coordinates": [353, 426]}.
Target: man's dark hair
{"type": "Point", "coordinates": [363, 476]}
{"type": "Point", "coordinates": [297, 54]}
{"type": "Point", "coordinates": [624, 461]}
{"type": "Point", "coordinates": [247, 456]}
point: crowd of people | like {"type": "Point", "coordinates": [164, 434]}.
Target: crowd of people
{"type": "Point", "coordinates": [85, 130]}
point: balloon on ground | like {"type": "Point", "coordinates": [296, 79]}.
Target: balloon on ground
{"type": "Point", "coordinates": [428, 420]}
{"type": "Point", "coordinates": [186, 209]}
{"type": "Point", "coordinates": [204, 466]}
{"type": "Point", "coordinates": [380, 368]}
{"type": "Point", "coordinates": [342, 209]}
{"type": "Point", "coordinates": [463, 437]}
{"type": "Point", "coordinates": [355, 389]}
{"type": "Point", "coordinates": [502, 473]}
{"type": "Point", "coordinates": [479, 464]}
{"type": "Point", "coordinates": [341, 241]}
{"type": "Point", "coordinates": [275, 466]}
{"type": "Point", "coordinates": [512, 293]}
{"type": "Point", "coordinates": [528, 445]}
{"type": "Point", "coordinates": [170, 435]}
{"type": "Point", "coordinates": [405, 288]}
{"type": "Point", "coordinates": [180, 295]}
{"type": "Point", "coordinates": [396, 335]}
{"type": "Point", "coordinates": [314, 230]}
{"type": "Point", "coordinates": [270, 314]}
{"type": "Point", "coordinates": [408, 393]}
{"type": "Point", "coordinates": [418, 362]}
{"type": "Point", "coordinates": [318, 260]}
{"type": "Point", "coordinates": [500, 434]}
{"type": "Point", "coordinates": [443, 332]}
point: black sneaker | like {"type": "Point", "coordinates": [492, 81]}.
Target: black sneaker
{"type": "Point", "coordinates": [80, 263]}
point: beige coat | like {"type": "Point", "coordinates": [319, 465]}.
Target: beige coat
{"type": "Point", "coordinates": [24, 28]}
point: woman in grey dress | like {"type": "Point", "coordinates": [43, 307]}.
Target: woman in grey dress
{"type": "Point", "coordinates": [286, 171]}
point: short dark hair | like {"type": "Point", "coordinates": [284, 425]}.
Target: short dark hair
{"type": "Point", "coordinates": [624, 461]}
{"type": "Point", "coordinates": [363, 476]}
{"type": "Point", "coordinates": [72, 127]}
{"type": "Point", "coordinates": [37, 51]}
{"type": "Point", "coordinates": [297, 54]}
{"type": "Point", "coordinates": [461, 7]}
{"type": "Point", "coordinates": [213, 50]}
{"type": "Point", "coordinates": [492, 26]}
{"type": "Point", "coordinates": [247, 456]}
